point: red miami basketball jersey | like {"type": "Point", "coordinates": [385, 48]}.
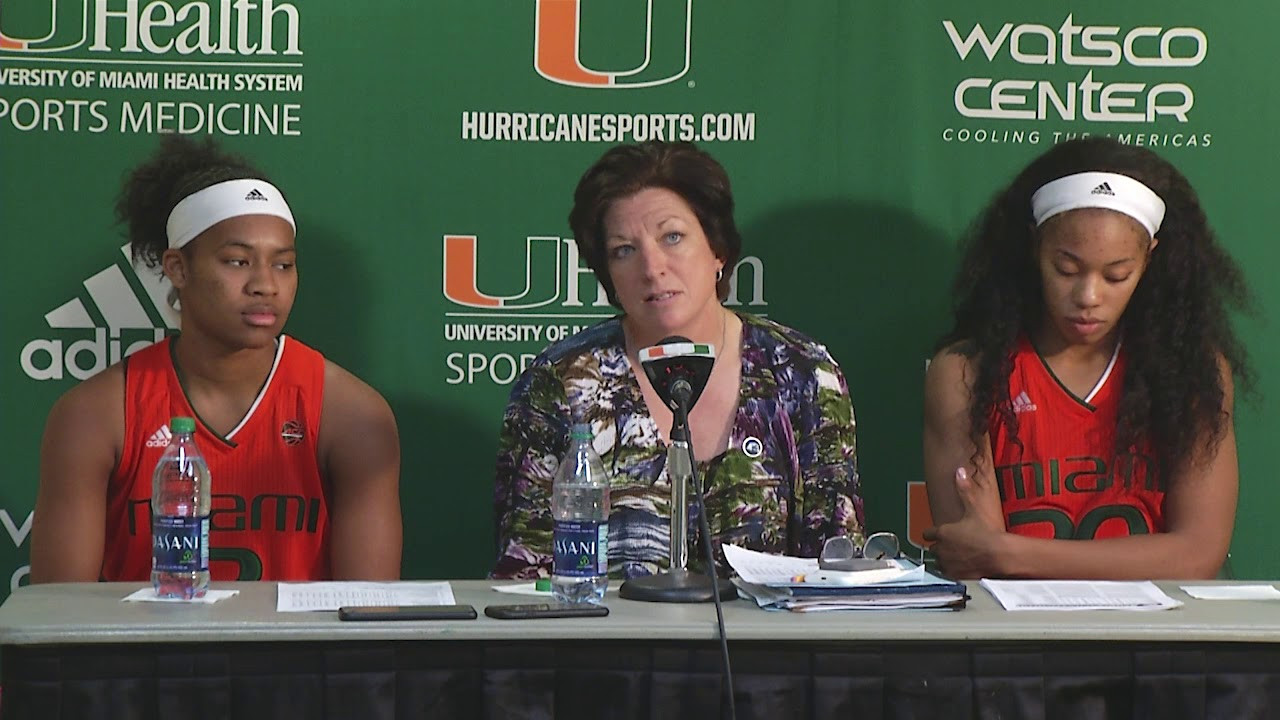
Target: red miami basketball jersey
{"type": "Point", "coordinates": [269, 517]}
{"type": "Point", "coordinates": [1065, 478]}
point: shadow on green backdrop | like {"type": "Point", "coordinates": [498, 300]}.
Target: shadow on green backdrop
{"type": "Point", "coordinates": [884, 283]}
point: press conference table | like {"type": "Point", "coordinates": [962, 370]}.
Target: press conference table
{"type": "Point", "coordinates": [77, 651]}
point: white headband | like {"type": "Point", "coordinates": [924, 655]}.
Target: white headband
{"type": "Point", "coordinates": [205, 208]}
{"type": "Point", "coordinates": [1099, 190]}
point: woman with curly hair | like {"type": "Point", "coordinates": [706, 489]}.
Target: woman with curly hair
{"type": "Point", "coordinates": [281, 426]}
{"type": "Point", "coordinates": [1085, 390]}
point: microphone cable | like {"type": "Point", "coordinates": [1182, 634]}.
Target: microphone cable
{"type": "Point", "coordinates": [705, 531]}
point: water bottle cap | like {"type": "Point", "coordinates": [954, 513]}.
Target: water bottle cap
{"type": "Point", "coordinates": [182, 425]}
{"type": "Point", "coordinates": [580, 431]}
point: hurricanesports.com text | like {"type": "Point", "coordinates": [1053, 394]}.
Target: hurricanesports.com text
{"type": "Point", "coordinates": [607, 127]}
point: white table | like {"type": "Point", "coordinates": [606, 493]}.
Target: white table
{"type": "Point", "coordinates": [76, 650]}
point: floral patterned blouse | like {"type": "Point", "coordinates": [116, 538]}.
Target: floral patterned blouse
{"type": "Point", "coordinates": [787, 481]}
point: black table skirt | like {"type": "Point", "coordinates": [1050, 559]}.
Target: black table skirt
{"type": "Point", "coordinates": [616, 679]}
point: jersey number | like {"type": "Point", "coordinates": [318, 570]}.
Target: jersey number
{"type": "Point", "coordinates": [248, 560]}
{"type": "Point", "coordinates": [1065, 529]}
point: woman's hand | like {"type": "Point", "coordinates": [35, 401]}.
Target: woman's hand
{"type": "Point", "coordinates": [971, 546]}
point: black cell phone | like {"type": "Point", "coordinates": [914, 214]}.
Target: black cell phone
{"type": "Point", "coordinates": [543, 610]}
{"type": "Point", "coordinates": [407, 612]}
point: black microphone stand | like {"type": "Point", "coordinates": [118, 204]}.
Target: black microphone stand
{"type": "Point", "coordinates": [679, 584]}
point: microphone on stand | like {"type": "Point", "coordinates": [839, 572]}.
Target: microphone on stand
{"type": "Point", "coordinates": [678, 369]}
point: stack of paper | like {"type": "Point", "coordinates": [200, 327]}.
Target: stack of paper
{"type": "Point", "coordinates": [789, 583]}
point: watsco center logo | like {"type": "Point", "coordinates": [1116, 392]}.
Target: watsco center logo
{"type": "Point", "coordinates": [558, 43]}
{"type": "Point", "coordinates": [552, 296]}
{"type": "Point", "coordinates": [206, 28]}
{"type": "Point", "coordinates": [1078, 72]}
{"type": "Point", "coordinates": [86, 342]}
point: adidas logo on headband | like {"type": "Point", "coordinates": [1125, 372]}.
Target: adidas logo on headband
{"type": "Point", "coordinates": [205, 208]}
{"type": "Point", "coordinates": [1113, 191]}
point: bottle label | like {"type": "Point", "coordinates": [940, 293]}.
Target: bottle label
{"type": "Point", "coordinates": [581, 548]}
{"type": "Point", "coordinates": [180, 544]}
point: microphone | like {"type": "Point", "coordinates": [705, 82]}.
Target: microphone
{"type": "Point", "coordinates": [678, 369]}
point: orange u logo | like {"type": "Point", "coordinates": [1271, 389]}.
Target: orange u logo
{"type": "Point", "coordinates": [67, 26]}
{"type": "Point", "coordinates": [557, 42]}
{"type": "Point", "coordinates": [542, 263]}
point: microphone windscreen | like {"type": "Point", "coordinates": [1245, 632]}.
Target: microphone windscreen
{"type": "Point", "coordinates": [678, 369]}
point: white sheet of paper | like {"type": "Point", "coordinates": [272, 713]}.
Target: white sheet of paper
{"type": "Point", "coordinates": [1079, 595]}
{"type": "Point", "coordinates": [149, 595]}
{"type": "Point", "coordinates": [1232, 592]}
{"type": "Point", "coordinates": [305, 597]}
{"type": "Point", "coordinates": [765, 569]}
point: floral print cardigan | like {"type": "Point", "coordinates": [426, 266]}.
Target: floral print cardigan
{"type": "Point", "coordinates": [787, 481]}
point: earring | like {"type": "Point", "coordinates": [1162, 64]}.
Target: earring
{"type": "Point", "coordinates": [719, 274]}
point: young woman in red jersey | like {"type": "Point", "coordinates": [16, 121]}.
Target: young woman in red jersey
{"type": "Point", "coordinates": [304, 457]}
{"type": "Point", "coordinates": [1085, 390]}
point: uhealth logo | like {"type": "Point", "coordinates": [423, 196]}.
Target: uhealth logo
{"type": "Point", "coordinates": [203, 27]}
{"type": "Point", "coordinates": [553, 273]}
{"type": "Point", "coordinates": [125, 326]}
{"type": "Point", "coordinates": [558, 37]}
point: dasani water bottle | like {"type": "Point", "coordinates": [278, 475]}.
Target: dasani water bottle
{"type": "Point", "coordinates": [180, 496]}
{"type": "Point", "coordinates": [580, 506]}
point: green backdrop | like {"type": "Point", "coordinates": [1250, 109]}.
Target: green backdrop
{"type": "Point", "coordinates": [430, 151]}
